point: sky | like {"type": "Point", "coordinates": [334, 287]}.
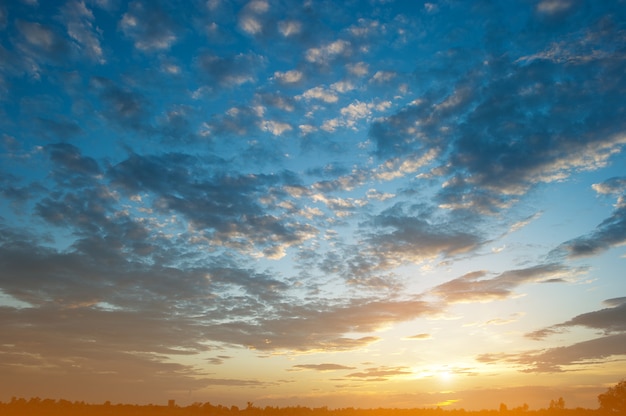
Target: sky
{"type": "Point", "coordinates": [370, 203]}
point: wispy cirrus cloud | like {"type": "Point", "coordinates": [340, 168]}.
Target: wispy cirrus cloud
{"type": "Point", "coordinates": [322, 367]}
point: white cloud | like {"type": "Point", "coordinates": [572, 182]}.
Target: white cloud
{"type": "Point", "coordinates": [250, 24]}
{"type": "Point", "coordinates": [379, 196]}
{"type": "Point", "coordinates": [430, 7]}
{"type": "Point", "coordinates": [364, 28]}
{"type": "Point", "coordinates": [330, 125]}
{"type": "Point", "coordinates": [396, 168]}
{"type": "Point", "coordinates": [258, 6]}
{"type": "Point", "coordinates": [320, 93]}
{"type": "Point", "coordinates": [553, 6]}
{"type": "Point", "coordinates": [306, 128]}
{"type": "Point", "coordinates": [289, 27]}
{"type": "Point", "coordinates": [358, 69]}
{"type": "Point", "coordinates": [325, 53]}
{"type": "Point", "coordinates": [356, 110]}
{"type": "Point", "coordinates": [343, 86]}
{"type": "Point", "coordinates": [383, 76]}
{"type": "Point", "coordinates": [277, 128]}
{"type": "Point", "coordinates": [288, 77]}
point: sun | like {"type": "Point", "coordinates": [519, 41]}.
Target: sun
{"type": "Point", "coordinates": [445, 374]}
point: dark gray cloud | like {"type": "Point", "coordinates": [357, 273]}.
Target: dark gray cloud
{"type": "Point", "coordinates": [230, 70]}
{"type": "Point", "coordinates": [63, 129]}
{"type": "Point", "coordinates": [121, 105]}
{"type": "Point", "coordinates": [70, 161]}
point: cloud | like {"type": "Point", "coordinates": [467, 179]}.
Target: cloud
{"type": "Point", "coordinates": [554, 7]}
{"type": "Point", "coordinates": [380, 373]}
{"type": "Point", "coordinates": [359, 69]}
{"type": "Point", "coordinates": [249, 18]}
{"type": "Point", "coordinates": [561, 359]}
{"type": "Point", "coordinates": [615, 301]}
{"type": "Point", "coordinates": [71, 161]}
{"type": "Point", "coordinates": [3, 17]}
{"type": "Point", "coordinates": [290, 27]}
{"type": "Point", "coordinates": [79, 24]}
{"type": "Point", "coordinates": [320, 93]}
{"type": "Point", "coordinates": [321, 326]}
{"type": "Point", "coordinates": [478, 287]}
{"type": "Point", "coordinates": [231, 70]}
{"type": "Point", "coordinates": [419, 337]}
{"type": "Point", "coordinates": [277, 128]}
{"type": "Point", "coordinates": [466, 121]}
{"type": "Point", "coordinates": [87, 294]}
{"type": "Point", "coordinates": [121, 104]}
{"type": "Point", "coordinates": [288, 77]}
{"type": "Point", "coordinates": [226, 210]}
{"type": "Point", "coordinates": [114, 349]}
{"type": "Point", "coordinates": [405, 233]}
{"type": "Point", "coordinates": [322, 367]}
{"type": "Point", "coordinates": [524, 222]}
{"type": "Point", "coordinates": [237, 121]}
{"type": "Point", "coordinates": [220, 359]}
{"type": "Point", "coordinates": [40, 44]}
{"type": "Point", "coordinates": [60, 127]}
{"type": "Point", "coordinates": [149, 26]}
{"type": "Point", "coordinates": [615, 185]}
{"type": "Point", "coordinates": [609, 320]}
{"type": "Point", "coordinates": [609, 233]}
{"type": "Point", "coordinates": [327, 53]}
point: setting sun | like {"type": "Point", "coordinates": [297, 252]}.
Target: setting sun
{"type": "Point", "coordinates": [445, 374]}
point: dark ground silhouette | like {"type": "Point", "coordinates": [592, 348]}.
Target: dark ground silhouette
{"type": "Point", "coordinates": [612, 402]}
{"type": "Point", "coordinates": [49, 407]}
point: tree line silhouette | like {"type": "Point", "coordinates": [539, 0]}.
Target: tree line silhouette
{"type": "Point", "coordinates": [612, 402]}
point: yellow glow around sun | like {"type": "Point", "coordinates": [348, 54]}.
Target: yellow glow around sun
{"type": "Point", "coordinates": [443, 373]}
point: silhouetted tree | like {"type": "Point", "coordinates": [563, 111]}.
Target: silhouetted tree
{"type": "Point", "coordinates": [557, 404]}
{"type": "Point", "coordinates": [614, 400]}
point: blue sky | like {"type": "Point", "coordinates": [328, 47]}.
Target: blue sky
{"type": "Point", "coordinates": [364, 203]}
